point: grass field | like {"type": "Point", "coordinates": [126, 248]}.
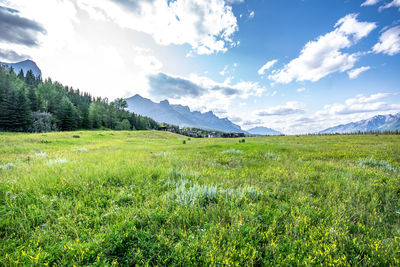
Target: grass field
{"type": "Point", "coordinates": [146, 198]}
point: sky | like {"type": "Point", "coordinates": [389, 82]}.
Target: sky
{"type": "Point", "coordinates": [297, 66]}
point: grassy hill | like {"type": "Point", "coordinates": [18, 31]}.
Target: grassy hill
{"type": "Point", "coordinates": [147, 197]}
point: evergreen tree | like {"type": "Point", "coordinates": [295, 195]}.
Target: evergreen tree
{"type": "Point", "coordinates": [33, 98]}
{"type": "Point", "coordinates": [24, 101]}
{"type": "Point", "coordinates": [22, 112]}
{"type": "Point", "coordinates": [30, 79]}
{"type": "Point", "coordinates": [67, 115]}
{"type": "Point", "coordinates": [21, 75]}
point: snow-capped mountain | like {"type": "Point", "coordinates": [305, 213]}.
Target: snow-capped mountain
{"type": "Point", "coordinates": [377, 123]}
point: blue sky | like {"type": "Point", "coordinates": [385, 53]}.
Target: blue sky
{"type": "Point", "coordinates": [325, 62]}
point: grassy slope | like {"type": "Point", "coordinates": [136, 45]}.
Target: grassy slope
{"type": "Point", "coordinates": [145, 197]}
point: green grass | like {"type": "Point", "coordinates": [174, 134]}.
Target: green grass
{"type": "Point", "coordinates": [146, 198]}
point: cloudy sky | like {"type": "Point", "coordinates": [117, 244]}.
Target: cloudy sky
{"type": "Point", "coordinates": [296, 66]}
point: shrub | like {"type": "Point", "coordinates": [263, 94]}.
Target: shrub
{"type": "Point", "coordinates": [42, 122]}
{"type": "Point", "coordinates": [123, 125]}
{"type": "Point", "coordinates": [232, 151]}
{"type": "Point", "coordinates": [8, 166]}
{"type": "Point", "coordinates": [373, 163]}
{"type": "Point", "coordinates": [187, 193]}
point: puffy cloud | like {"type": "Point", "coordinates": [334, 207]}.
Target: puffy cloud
{"type": "Point", "coordinates": [363, 99]}
{"type": "Point", "coordinates": [389, 42]}
{"type": "Point", "coordinates": [18, 30]}
{"type": "Point", "coordinates": [323, 56]}
{"type": "Point", "coordinates": [394, 3]}
{"type": "Point", "coordinates": [302, 89]}
{"type": "Point", "coordinates": [355, 72]}
{"type": "Point", "coordinates": [360, 104]}
{"type": "Point", "coordinates": [370, 2]}
{"type": "Point", "coordinates": [291, 107]}
{"type": "Point", "coordinates": [353, 109]}
{"type": "Point", "coordinates": [266, 66]}
{"type": "Point", "coordinates": [206, 25]}
{"type": "Point", "coordinates": [167, 86]}
{"type": "Point", "coordinates": [173, 87]}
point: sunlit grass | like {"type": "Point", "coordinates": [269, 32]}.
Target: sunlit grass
{"type": "Point", "coordinates": [126, 198]}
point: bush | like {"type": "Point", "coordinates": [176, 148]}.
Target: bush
{"type": "Point", "coordinates": [123, 125]}
{"type": "Point", "coordinates": [42, 122]}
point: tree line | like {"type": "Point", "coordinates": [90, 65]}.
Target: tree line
{"type": "Point", "coordinates": [28, 104]}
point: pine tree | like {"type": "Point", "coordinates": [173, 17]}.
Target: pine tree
{"type": "Point", "coordinates": [30, 79]}
{"type": "Point", "coordinates": [33, 98]}
{"type": "Point", "coordinates": [67, 115]}
{"type": "Point", "coordinates": [23, 112]}
{"type": "Point", "coordinates": [21, 75]}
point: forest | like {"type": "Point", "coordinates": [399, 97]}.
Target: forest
{"type": "Point", "coordinates": [29, 104]}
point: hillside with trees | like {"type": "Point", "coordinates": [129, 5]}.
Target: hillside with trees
{"type": "Point", "coordinates": [28, 104]}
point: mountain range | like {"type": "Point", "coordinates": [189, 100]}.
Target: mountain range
{"type": "Point", "coordinates": [377, 123]}
{"type": "Point", "coordinates": [25, 66]}
{"type": "Point", "coordinates": [263, 131]}
{"type": "Point", "coordinates": [184, 117]}
{"type": "Point", "coordinates": [180, 115]}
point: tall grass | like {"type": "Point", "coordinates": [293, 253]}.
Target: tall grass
{"type": "Point", "coordinates": [145, 198]}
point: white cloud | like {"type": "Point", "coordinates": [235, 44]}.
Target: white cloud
{"type": "Point", "coordinates": [302, 89]}
{"type": "Point", "coordinates": [360, 104]}
{"type": "Point", "coordinates": [353, 109]}
{"type": "Point", "coordinates": [355, 72]}
{"type": "Point", "coordinates": [389, 42]}
{"type": "Point", "coordinates": [206, 25]}
{"type": "Point", "coordinates": [251, 14]}
{"type": "Point", "coordinates": [235, 1]}
{"type": "Point", "coordinates": [394, 3]}
{"type": "Point", "coordinates": [291, 107]}
{"type": "Point", "coordinates": [323, 56]}
{"type": "Point", "coordinates": [266, 66]}
{"type": "Point", "coordinates": [370, 2]}
{"type": "Point", "coordinates": [224, 71]}
{"type": "Point", "coordinates": [359, 99]}
{"type": "Point", "coordinates": [202, 93]}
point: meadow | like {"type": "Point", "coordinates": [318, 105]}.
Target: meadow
{"type": "Point", "coordinates": [95, 198]}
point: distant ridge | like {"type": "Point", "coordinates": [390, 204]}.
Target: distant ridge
{"type": "Point", "coordinates": [263, 131]}
{"type": "Point", "coordinates": [25, 66]}
{"type": "Point", "coordinates": [377, 123]}
{"type": "Point", "coordinates": [180, 115]}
